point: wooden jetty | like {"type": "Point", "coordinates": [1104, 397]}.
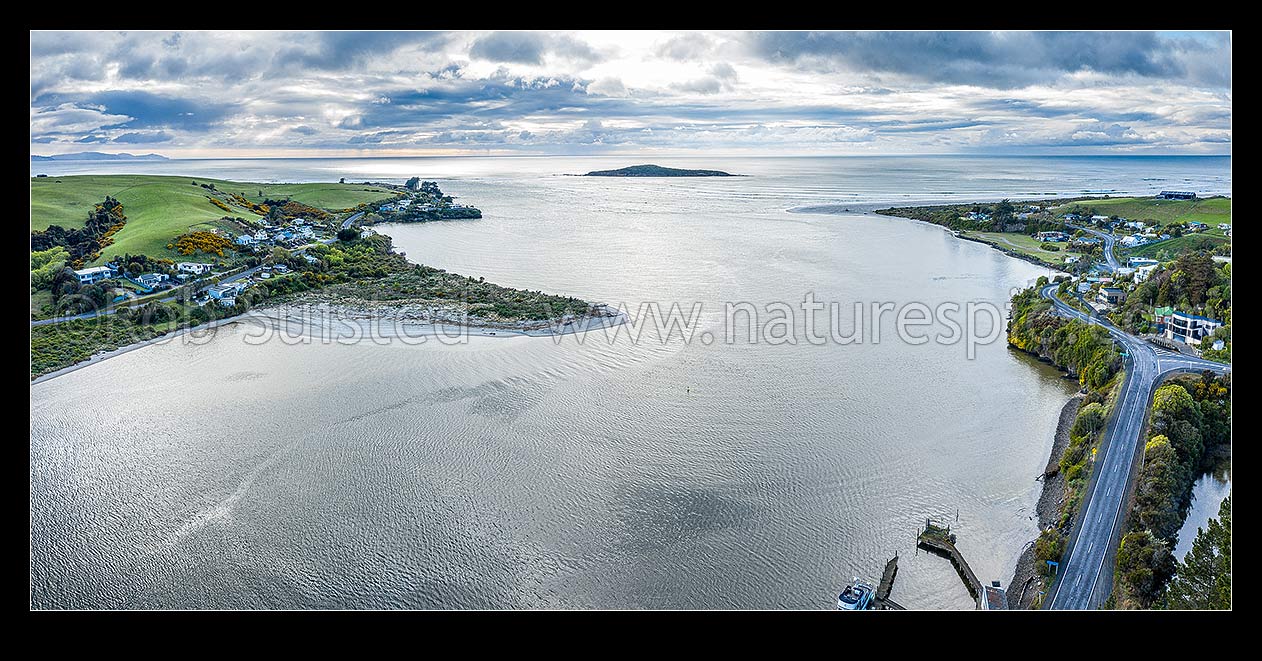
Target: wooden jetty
{"type": "Point", "coordinates": [883, 601]}
{"type": "Point", "coordinates": [939, 540]}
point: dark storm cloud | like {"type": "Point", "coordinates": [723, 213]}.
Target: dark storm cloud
{"type": "Point", "coordinates": [341, 50]}
{"type": "Point", "coordinates": [144, 138]}
{"type": "Point", "coordinates": [520, 47]}
{"type": "Point", "coordinates": [1000, 60]}
{"type": "Point", "coordinates": [1029, 108]}
{"type": "Point", "coordinates": [147, 110]}
{"type": "Point", "coordinates": [530, 48]}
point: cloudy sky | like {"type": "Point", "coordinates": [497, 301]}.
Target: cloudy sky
{"type": "Point", "coordinates": [383, 93]}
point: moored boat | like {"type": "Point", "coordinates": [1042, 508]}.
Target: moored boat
{"type": "Point", "coordinates": [856, 597]}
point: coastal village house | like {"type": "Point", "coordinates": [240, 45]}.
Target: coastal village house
{"type": "Point", "coordinates": [195, 268]}
{"type": "Point", "coordinates": [152, 280]}
{"type": "Point", "coordinates": [1190, 328]}
{"type": "Point", "coordinates": [220, 292]}
{"type": "Point", "coordinates": [1053, 236]}
{"type": "Point", "coordinates": [1111, 295]}
{"type": "Point", "coordinates": [94, 274]}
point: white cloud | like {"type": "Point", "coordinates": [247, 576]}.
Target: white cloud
{"type": "Point", "coordinates": [538, 90]}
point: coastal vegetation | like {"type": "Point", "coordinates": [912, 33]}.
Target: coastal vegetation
{"type": "Point", "coordinates": [1088, 352]}
{"type": "Point", "coordinates": [1189, 425]}
{"type": "Point", "coordinates": [1202, 580]}
{"type": "Point", "coordinates": [84, 243]}
{"type": "Point", "coordinates": [1084, 350]}
{"type": "Point", "coordinates": [55, 346]}
{"type": "Point", "coordinates": [656, 171]}
{"type": "Point", "coordinates": [368, 270]}
{"type": "Point", "coordinates": [204, 242]}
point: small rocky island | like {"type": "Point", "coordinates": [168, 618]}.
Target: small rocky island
{"type": "Point", "coordinates": [657, 171]}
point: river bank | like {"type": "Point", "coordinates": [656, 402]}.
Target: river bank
{"type": "Point", "coordinates": [964, 237]}
{"type": "Point", "coordinates": [385, 321]}
{"type": "Point", "coordinates": [1023, 588]}
{"type": "Point", "coordinates": [166, 337]}
{"type": "Point", "coordinates": [368, 321]}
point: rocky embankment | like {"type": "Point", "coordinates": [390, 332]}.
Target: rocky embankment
{"type": "Point", "coordinates": [1025, 583]}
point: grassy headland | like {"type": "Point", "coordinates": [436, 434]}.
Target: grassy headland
{"type": "Point", "coordinates": [1010, 226]}
{"type": "Point", "coordinates": [160, 208]}
{"type": "Point", "coordinates": [299, 258]}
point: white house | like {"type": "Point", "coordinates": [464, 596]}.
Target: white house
{"type": "Point", "coordinates": [245, 240]}
{"type": "Point", "coordinates": [94, 274]}
{"type": "Point", "coordinates": [221, 292]}
{"type": "Point", "coordinates": [196, 268]}
{"type": "Point", "coordinates": [1137, 262]}
{"type": "Point", "coordinates": [152, 279]}
{"type": "Point", "coordinates": [1190, 328]}
{"type": "Point", "coordinates": [1071, 259]}
{"type": "Point", "coordinates": [1099, 219]}
{"type": "Point", "coordinates": [1142, 273]}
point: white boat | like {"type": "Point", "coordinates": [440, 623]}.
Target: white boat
{"type": "Point", "coordinates": [856, 597]}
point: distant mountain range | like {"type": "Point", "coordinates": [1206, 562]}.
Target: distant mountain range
{"type": "Point", "coordinates": [656, 171]}
{"type": "Point", "coordinates": [98, 156]}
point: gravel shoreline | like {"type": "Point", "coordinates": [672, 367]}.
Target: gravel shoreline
{"type": "Point", "coordinates": [1025, 577]}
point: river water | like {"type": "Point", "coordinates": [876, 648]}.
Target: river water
{"type": "Point", "coordinates": [515, 472]}
{"type": "Point", "coordinates": [1208, 494]}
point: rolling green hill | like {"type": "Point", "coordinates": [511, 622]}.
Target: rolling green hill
{"type": "Point", "coordinates": [1211, 211]}
{"type": "Point", "coordinates": [160, 208]}
{"type": "Point", "coordinates": [1173, 247]}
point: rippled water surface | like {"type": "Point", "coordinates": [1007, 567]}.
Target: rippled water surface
{"type": "Point", "coordinates": [528, 473]}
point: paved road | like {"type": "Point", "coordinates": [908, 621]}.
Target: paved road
{"type": "Point", "coordinates": [1086, 570]}
{"type": "Point", "coordinates": [1108, 240]}
{"type": "Point", "coordinates": [347, 223]}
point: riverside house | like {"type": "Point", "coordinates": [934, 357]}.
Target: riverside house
{"type": "Point", "coordinates": [1190, 328]}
